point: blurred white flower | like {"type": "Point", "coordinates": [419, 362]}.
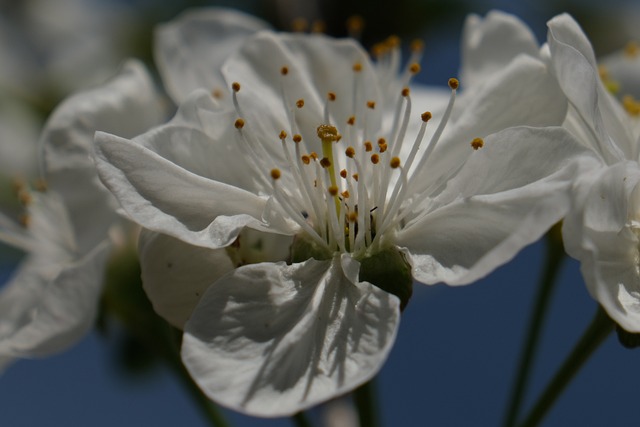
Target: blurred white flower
{"type": "Point", "coordinates": [603, 229]}
{"type": "Point", "coordinates": [289, 214]}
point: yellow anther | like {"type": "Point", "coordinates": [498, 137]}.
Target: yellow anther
{"type": "Point", "coordinates": [327, 133]}
{"type": "Point", "coordinates": [405, 92]}
{"type": "Point", "coordinates": [333, 190]}
{"type": "Point", "coordinates": [325, 162]}
{"type": "Point", "coordinates": [275, 174]}
{"type": "Point", "coordinates": [357, 67]}
{"type": "Point", "coordinates": [299, 25]}
{"type": "Point", "coordinates": [375, 159]}
{"type": "Point", "coordinates": [371, 105]}
{"type": "Point", "coordinates": [305, 159]}
{"type": "Point", "coordinates": [18, 184]}
{"type": "Point", "coordinates": [350, 152]}
{"type": "Point", "coordinates": [417, 45]}
{"type": "Point", "coordinates": [355, 23]}
{"type": "Point", "coordinates": [426, 116]}
{"type": "Point", "coordinates": [40, 185]}
{"type": "Point", "coordinates": [414, 68]}
{"type": "Point", "coordinates": [338, 138]}
{"type": "Point", "coordinates": [216, 93]}
{"type": "Point", "coordinates": [477, 143]}
{"type": "Point", "coordinates": [297, 138]}
{"type": "Point", "coordinates": [378, 50]}
{"type": "Point", "coordinates": [345, 194]}
{"type": "Point", "coordinates": [318, 26]}
{"type": "Point", "coordinates": [382, 147]}
{"type": "Point", "coordinates": [392, 41]}
{"type": "Point", "coordinates": [394, 162]}
{"type": "Point", "coordinates": [235, 86]}
{"type": "Point", "coordinates": [631, 105]}
{"type": "Point", "coordinates": [331, 96]}
{"type": "Point", "coordinates": [355, 176]}
{"type": "Point", "coordinates": [353, 216]}
{"type": "Point", "coordinates": [300, 103]}
{"type": "Point", "coordinates": [368, 146]}
{"type": "Point", "coordinates": [25, 220]}
{"type": "Point", "coordinates": [632, 49]}
{"type": "Point", "coordinates": [343, 173]}
{"type": "Point", "coordinates": [381, 141]}
{"type": "Point", "coordinates": [24, 197]}
{"type": "Point", "coordinates": [453, 83]}
{"type": "Point", "coordinates": [351, 120]}
{"type": "Point", "coordinates": [314, 155]}
{"type": "Point", "coordinates": [239, 124]}
{"type": "Point", "coordinates": [282, 134]}
{"type": "Point", "coordinates": [284, 70]}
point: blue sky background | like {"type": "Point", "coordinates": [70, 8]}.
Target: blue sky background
{"type": "Point", "coordinates": [455, 355]}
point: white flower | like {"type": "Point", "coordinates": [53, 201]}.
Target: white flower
{"type": "Point", "coordinates": [301, 208]}
{"type": "Point", "coordinates": [602, 230]}
{"type": "Point", "coordinates": [51, 300]}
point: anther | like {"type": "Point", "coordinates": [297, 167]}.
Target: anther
{"type": "Point", "coordinates": [239, 124]}
{"type": "Point", "coordinates": [25, 220]}
{"type": "Point", "coordinates": [275, 174]}
{"type": "Point", "coordinates": [394, 162]}
{"type": "Point", "coordinates": [355, 176]}
{"type": "Point", "coordinates": [235, 86]}
{"type": "Point", "coordinates": [382, 147]}
{"type": "Point", "coordinates": [350, 152]}
{"type": "Point", "coordinates": [357, 67]}
{"type": "Point", "coordinates": [355, 23]}
{"type": "Point", "coordinates": [305, 159]}
{"type": "Point", "coordinates": [297, 138]}
{"type": "Point", "coordinates": [314, 155]}
{"type": "Point", "coordinates": [300, 103]}
{"type": "Point", "coordinates": [331, 96]}
{"type": "Point", "coordinates": [282, 135]}
{"type": "Point", "coordinates": [284, 70]}
{"type": "Point", "coordinates": [632, 49]}
{"type": "Point", "coordinates": [351, 120]}
{"type": "Point", "coordinates": [343, 173]}
{"type": "Point", "coordinates": [327, 133]}
{"type": "Point", "coordinates": [405, 92]}
{"type": "Point", "coordinates": [417, 45]}
{"type": "Point", "coordinates": [375, 159]}
{"type": "Point", "coordinates": [216, 93]}
{"type": "Point", "coordinates": [477, 143]}
{"type": "Point", "coordinates": [353, 216]}
{"type": "Point", "coordinates": [299, 25]}
{"type": "Point", "coordinates": [414, 68]}
{"type": "Point", "coordinates": [24, 197]}
{"type": "Point", "coordinates": [318, 26]}
{"type": "Point", "coordinates": [345, 194]}
{"type": "Point", "coordinates": [453, 83]}
{"type": "Point", "coordinates": [325, 162]}
{"type": "Point", "coordinates": [368, 146]}
{"type": "Point", "coordinates": [392, 41]}
{"type": "Point", "coordinates": [333, 190]}
{"type": "Point", "coordinates": [371, 104]}
{"type": "Point", "coordinates": [426, 116]}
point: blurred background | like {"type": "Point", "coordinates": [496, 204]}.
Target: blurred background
{"type": "Point", "coordinates": [456, 354]}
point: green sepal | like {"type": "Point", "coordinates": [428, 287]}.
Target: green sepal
{"type": "Point", "coordinates": [390, 271]}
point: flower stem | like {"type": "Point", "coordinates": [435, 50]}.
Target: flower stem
{"type": "Point", "coordinates": [365, 400]}
{"type": "Point", "coordinates": [553, 262]}
{"type": "Point", "coordinates": [601, 326]}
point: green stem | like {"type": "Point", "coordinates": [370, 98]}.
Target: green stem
{"type": "Point", "coordinates": [365, 400]}
{"type": "Point", "coordinates": [601, 326]}
{"type": "Point", "coordinates": [553, 262]}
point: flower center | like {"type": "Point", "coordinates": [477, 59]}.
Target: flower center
{"type": "Point", "coordinates": [351, 196]}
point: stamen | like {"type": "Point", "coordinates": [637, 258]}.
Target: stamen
{"type": "Point", "coordinates": [355, 24]}
{"type": "Point", "coordinates": [477, 143]}
{"type": "Point", "coordinates": [284, 70]}
{"type": "Point", "coordinates": [371, 105]}
{"type": "Point", "coordinates": [318, 26]}
{"type": "Point", "coordinates": [300, 103]}
{"type": "Point", "coordinates": [275, 174]}
{"type": "Point", "coordinates": [632, 49]}
{"type": "Point", "coordinates": [299, 25]}
{"type": "Point", "coordinates": [239, 123]}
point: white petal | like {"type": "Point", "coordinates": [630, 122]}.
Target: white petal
{"type": "Point", "coordinates": [490, 44]}
{"type": "Point", "coordinates": [498, 104]}
{"type": "Point", "coordinates": [505, 197]}
{"type": "Point", "coordinates": [126, 105]}
{"type": "Point", "coordinates": [175, 274]}
{"type": "Point", "coordinates": [316, 65]}
{"type": "Point", "coordinates": [574, 64]}
{"type": "Point", "coordinates": [272, 339]}
{"type": "Point", "coordinates": [48, 316]}
{"type": "Point", "coordinates": [163, 197]}
{"type": "Point", "coordinates": [191, 49]}
{"type": "Point", "coordinates": [601, 236]}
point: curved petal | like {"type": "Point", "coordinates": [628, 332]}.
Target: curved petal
{"type": "Point", "coordinates": [506, 196]}
{"type": "Point", "coordinates": [522, 94]}
{"type": "Point", "coordinates": [316, 65]}
{"type": "Point", "coordinates": [126, 105]}
{"type": "Point", "coordinates": [191, 49]}
{"type": "Point", "coordinates": [163, 197]}
{"type": "Point", "coordinates": [490, 44]}
{"type": "Point", "coordinates": [576, 69]}
{"type": "Point", "coordinates": [274, 339]}
{"type": "Point", "coordinates": [51, 315]}
{"type": "Point", "coordinates": [605, 238]}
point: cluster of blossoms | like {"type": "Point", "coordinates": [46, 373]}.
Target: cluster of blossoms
{"type": "Point", "coordinates": [295, 196]}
